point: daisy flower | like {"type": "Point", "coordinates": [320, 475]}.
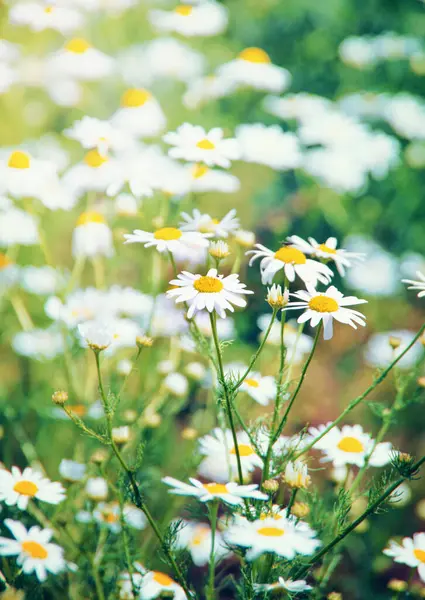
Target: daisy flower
{"type": "Point", "coordinates": [204, 19]}
{"type": "Point", "coordinates": [327, 251]}
{"type": "Point", "coordinates": [18, 227]}
{"type": "Point", "coordinates": [196, 537]}
{"type": "Point", "coordinates": [292, 261]}
{"type": "Point", "coordinates": [33, 549]}
{"type": "Point", "coordinates": [92, 236]}
{"type": "Point", "coordinates": [71, 470]}
{"type": "Point", "coordinates": [18, 488]}
{"type": "Point", "coordinates": [410, 552]}
{"type": "Point", "coordinates": [350, 445]}
{"type": "Point", "coordinates": [95, 133]}
{"type": "Point", "coordinates": [140, 114]}
{"type": "Point", "coordinates": [261, 389]}
{"type": "Point", "coordinates": [168, 239]}
{"type": "Point", "coordinates": [285, 585]}
{"type": "Point", "coordinates": [379, 352]}
{"type": "Point", "coordinates": [296, 474]}
{"type": "Point", "coordinates": [46, 15]}
{"type": "Point", "coordinates": [269, 146]}
{"type": "Point", "coordinates": [212, 292]}
{"type": "Point", "coordinates": [156, 584]}
{"type": "Point", "coordinates": [417, 285]}
{"type": "Point", "coordinates": [80, 61]}
{"type": "Point", "coordinates": [39, 344]}
{"type": "Point", "coordinates": [203, 223]}
{"type": "Point", "coordinates": [22, 175]}
{"type": "Point", "coordinates": [203, 179]}
{"type": "Point", "coordinates": [325, 307]}
{"type": "Point", "coordinates": [277, 533]}
{"type": "Point", "coordinates": [109, 514]}
{"type": "Point", "coordinates": [229, 493]}
{"type": "Point", "coordinates": [96, 334]}
{"type": "Point", "coordinates": [96, 172]}
{"type": "Point", "coordinates": [220, 462]}
{"type": "Point", "coordinates": [253, 68]}
{"type": "Point", "coordinates": [194, 144]}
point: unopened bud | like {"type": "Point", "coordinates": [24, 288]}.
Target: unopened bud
{"type": "Point", "coordinates": [195, 371]}
{"type": "Point", "coordinates": [271, 485]}
{"type": "Point", "coordinates": [300, 510]}
{"type": "Point", "coordinates": [246, 239]}
{"type": "Point", "coordinates": [60, 397]}
{"type": "Point", "coordinates": [397, 585]}
{"type": "Point", "coordinates": [97, 488]}
{"type": "Point", "coordinates": [129, 415]}
{"type": "Point", "coordinates": [144, 341]}
{"type": "Point", "coordinates": [296, 475]}
{"type": "Point", "coordinates": [394, 342]}
{"type": "Point", "coordinates": [219, 250]}
{"type": "Point", "coordinates": [99, 456]}
{"type": "Point", "coordinates": [276, 298]}
{"type": "Point", "coordinates": [404, 457]}
{"type": "Point", "coordinates": [189, 433]}
{"type": "Point", "coordinates": [421, 381]}
{"type": "Point", "coordinates": [121, 435]}
{"type": "Point", "coordinates": [334, 596]}
{"type": "Point", "coordinates": [152, 420]}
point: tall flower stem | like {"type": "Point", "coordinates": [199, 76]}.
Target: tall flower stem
{"type": "Point", "coordinates": [226, 393]}
{"type": "Point", "coordinates": [138, 499]}
{"type": "Point", "coordinates": [211, 570]}
{"type": "Point", "coordinates": [370, 510]}
{"type": "Point", "coordinates": [362, 396]}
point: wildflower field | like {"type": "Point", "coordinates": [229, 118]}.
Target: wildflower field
{"type": "Point", "coordinates": [212, 299]}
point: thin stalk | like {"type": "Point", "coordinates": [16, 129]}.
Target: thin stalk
{"type": "Point", "coordinates": [22, 314]}
{"type": "Point", "coordinates": [291, 501]}
{"type": "Point", "coordinates": [362, 396]}
{"type": "Point", "coordinates": [226, 394]}
{"type": "Point", "coordinates": [300, 382]}
{"type": "Point", "coordinates": [125, 544]}
{"type": "Point", "coordinates": [211, 570]}
{"type": "Point", "coordinates": [124, 383]}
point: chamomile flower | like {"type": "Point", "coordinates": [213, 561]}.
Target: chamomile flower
{"type": "Point", "coordinates": [71, 470]}
{"type": "Point", "coordinates": [327, 251]}
{"type": "Point", "coordinates": [284, 585]}
{"type": "Point", "coordinates": [220, 463]}
{"type": "Point", "coordinates": [140, 114]}
{"type": "Point", "coordinates": [96, 172]}
{"type": "Point", "coordinates": [22, 175]}
{"type": "Point", "coordinates": [39, 344]}
{"type": "Point", "coordinates": [261, 388]}
{"type": "Point", "coordinates": [196, 537]}
{"type": "Point", "coordinates": [17, 227]}
{"type": "Point", "coordinates": [92, 236]}
{"type": "Point", "coordinates": [203, 179]}
{"type": "Point", "coordinates": [97, 334]}
{"type": "Point", "coordinates": [229, 493]}
{"type": "Point", "coordinates": [97, 488]}
{"type": "Point", "coordinates": [156, 584]}
{"type": "Point", "coordinates": [204, 89]}
{"type": "Point", "coordinates": [296, 474]}
{"type": "Point", "coordinates": [417, 285]}
{"type": "Point", "coordinates": [109, 514]}
{"type": "Point", "coordinates": [350, 445]}
{"type": "Point", "coordinates": [46, 14]}
{"type": "Point", "coordinates": [325, 307]}
{"type": "Point", "coordinates": [269, 146]}
{"type": "Point", "coordinates": [204, 19]}
{"type": "Point", "coordinates": [203, 223]}
{"type": "Point", "coordinates": [292, 261]}
{"type": "Point", "coordinates": [18, 488]}
{"type": "Point", "coordinates": [42, 281]}
{"type": "Point", "coordinates": [410, 552]}
{"type": "Point", "coordinates": [379, 353]}
{"type": "Point", "coordinates": [193, 143]}
{"type": "Point", "coordinates": [95, 133]}
{"type": "Point", "coordinates": [80, 61]}
{"type": "Point", "coordinates": [253, 68]}
{"type": "Point", "coordinates": [168, 239]}
{"type": "Point", "coordinates": [277, 534]}
{"type": "Point", "coordinates": [211, 292]}
{"type": "Point", "coordinates": [33, 548]}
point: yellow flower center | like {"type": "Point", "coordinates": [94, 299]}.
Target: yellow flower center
{"type": "Point", "coordinates": [419, 554]}
{"type": "Point", "coordinates": [254, 55]}
{"type": "Point", "coordinates": [205, 144]}
{"type": "Point", "coordinates": [271, 531]}
{"type": "Point", "coordinates": [184, 10]}
{"type": "Point", "coordinates": [252, 383]}
{"type": "Point", "coordinates": [286, 254]}
{"type": "Point", "coordinates": [167, 234]}
{"type": "Point", "coordinates": [162, 578]}
{"type": "Point", "coordinates": [94, 159]}
{"type": "Point", "coordinates": [110, 517]}
{"type": "Point", "coordinates": [77, 46]}
{"type": "Point", "coordinates": [78, 409]}
{"type": "Point", "coordinates": [216, 488]}
{"type": "Point", "coordinates": [90, 216]}
{"type": "Point", "coordinates": [135, 97]}
{"type": "Point", "coordinates": [19, 160]}
{"type": "Point", "coordinates": [325, 248]}
{"type": "Point", "coordinates": [199, 171]}
{"type": "Point", "coordinates": [26, 488]}
{"type": "Point", "coordinates": [4, 261]}
{"type": "Point", "coordinates": [323, 304]}
{"type": "Point", "coordinates": [49, 9]}
{"type": "Point", "coordinates": [244, 450]}
{"type": "Point", "coordinates": [350, 444]}
{"type": "Point", "coordinates": [208, 285]}
{"type": "Point", "coordinates": [34, 549]}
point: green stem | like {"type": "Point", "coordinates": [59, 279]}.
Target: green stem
{"type": "Point", "coordinates": [300, 382]}
{"type": "Point", "coordinates": [291, 501]}
{"type": "Point", "coordinates": [370, 510]}
{"type": "Point", "coordinates": [211, 571]}
{"type": "Point", "coordinates": [226, 394]}
{"type": "Point", "coordinates": [124, 538]}
{"type": "Point", "coordinates": [362, 396]}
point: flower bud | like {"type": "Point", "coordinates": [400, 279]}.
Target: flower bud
{"type": "Point", "coordinates": [144, 341]}
{"type": "Point", "coordinates": [195, 371]}
{"type": "Point", "coordinates": [397, 585]}
{"type": "Point", "coordinates": [276, 298]}
{"type": "Point", "coordinates": [152, 420]}
{"type": "Point", "coordinates": [296, 475]}
{"type": "Point", "coordinates": [121, 435]}
{"type": "Point", "coordinates": [189, 433]}
{"type": "Point", "coordinates": [60, 397]}
{"type": "Point", "coordinates": [421, 381]}
{"type": "Point", "coordinates": [246, 239]}
{"type": "Point", "coordinates": [219, 250]}
{"type": "Point", "coordinates": [300, 510]}
{"type": "Point", "coordinates": [99, 456]}
{"type": "Point", "coordinates": [394, 342]}
{"type": "Point", "coordinates": [334, 596]}
{"type": "Point", "coordinates": [271, 485]}
{"type": "Point", "coordinates": [97, 488]}
{"type": "Point", "coordinates": [129, 415]}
